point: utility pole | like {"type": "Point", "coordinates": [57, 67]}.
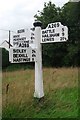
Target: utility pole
{"type": "Point", "coordinates": [9, 38]}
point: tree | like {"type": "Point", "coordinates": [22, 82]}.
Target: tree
{"type": "Point", "coordinates": [5, 58]}
{"type": "Point", "coordinates": [70, 16]}
{"type": "Point", "coordinates": [59, 54]}
{"type": "Point", "coordinates": [48, 15]}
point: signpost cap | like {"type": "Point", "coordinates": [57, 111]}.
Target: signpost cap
{"type": "Point", "coordinates": [37, 24]}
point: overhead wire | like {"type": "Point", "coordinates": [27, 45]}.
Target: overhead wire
{"type": "Point", "coordinates": [8, 30]}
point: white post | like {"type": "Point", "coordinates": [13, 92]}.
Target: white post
{"type": "Point", "coordinates": [38, 63]}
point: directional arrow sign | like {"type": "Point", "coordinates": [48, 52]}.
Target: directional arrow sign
{"type": "Point", "coordinates": [20, 55]}
{"type": "Point", "coordinates": [54, 32]}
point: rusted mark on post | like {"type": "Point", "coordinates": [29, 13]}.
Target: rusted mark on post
{"type": "Point", "coordinates": [7, 88]}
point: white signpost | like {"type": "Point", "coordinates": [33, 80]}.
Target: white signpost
{"type": "Point", "coordinates": [54, 32]}
{"type": "Point", "coordinates": [23, 38]}
{"type": "Point", "coordinates": [39, 92]}
{"type": "Point", "coordinates": [26, 51]}
{"type": "Point", "coordinates": [20, 39]}
{"type": "Point", "coordinates": [22, 50]}
{"type": "Point", "coordinates": [21, 55]}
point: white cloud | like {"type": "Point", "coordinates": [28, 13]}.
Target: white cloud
{"type": "Point", "coordinates": [16, 14]}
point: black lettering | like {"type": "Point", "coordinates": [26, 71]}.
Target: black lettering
{"type": "Point", "coordinates": [62, 38]}
{"type": "Point", "coordinates": [62, 29]}
{"type": "Point", "coordinates": [17, 60]}
{"type": "Point", "coordinates": [33, 51]}
{"type": "Point", "coordinates": [21, 31]}
{"type": "Point", "coordinates": [22, 55]}
{"type": "Point", "coordinates": [33, 55]}
{"type": "Point", "coordinates": [15, 43]}
{"type": "Point", "coordinates": [45, 35]}
{"type": "Point", "coordinates": [51, 31]}
{"type": "Point", "coordinates": [32, 59]}
{"type": "Point", "coordinates": [43, 40]}
{"type": "Point", "coordinates": [27, 45]}
{"type": "Point", "coordinates": [26, 60]}
{"type": "Point", "coordinates": [49, 26]}
{"type": "Point", "coordinates": [16, 36]}
{"type": "Point", "coordinates": [19, 50]}
{"type": "Point", "coordinates": [32, 33]}
{"type": "Point", "coordinates": [23, 45]}
{"type": "Point", "coordinates": [20, 45]}
{"type": "Point", "coordinates": [48, 39]}
{"type": "Point", "coordinates": [53, 25]}
{"type": "Point", "coordinates": [14, 55]}
{"type": "Point", "coordinates": [57, 24]}
{"type": "Point", "coordinates": [63, 34]}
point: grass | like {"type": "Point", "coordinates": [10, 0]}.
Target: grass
{"type": "Point", "coordinates": [60, 88]}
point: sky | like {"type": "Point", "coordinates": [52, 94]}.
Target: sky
{"type": "Point", "coordinates": [17, 14]}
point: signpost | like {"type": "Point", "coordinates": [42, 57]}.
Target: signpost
{"type": "Point", "coordinates": [28, 48]}
{"type": "Point", "coordinates": [23, 38]}
{"type": "Point", "coordinates": [39, 92]}
{"type": "Point", "coordinates": [54, 32]}
{"type": "Point", "coordinates": [21, 55]}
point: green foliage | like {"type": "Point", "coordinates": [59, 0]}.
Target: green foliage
{"type": "Point", "coordinates": [18, 66]}
{"type": "Point", "coordinates": [70, 16]}
{"type": "Point", "coordinates": [5, 58]}
{"type": "Point", "coordinates": [62, 54]}
{"type": "Point", "coordinates": [72, 56]}
{"type": "Point", "coordinates": [48, 15]}
{"type": "Point", "coordinates": [61, 98]}
{"type": "Point", "coordinates": [57, 104]}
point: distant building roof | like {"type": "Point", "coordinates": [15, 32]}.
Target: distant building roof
{"type": "Point", "coordinates": [5, 44]}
